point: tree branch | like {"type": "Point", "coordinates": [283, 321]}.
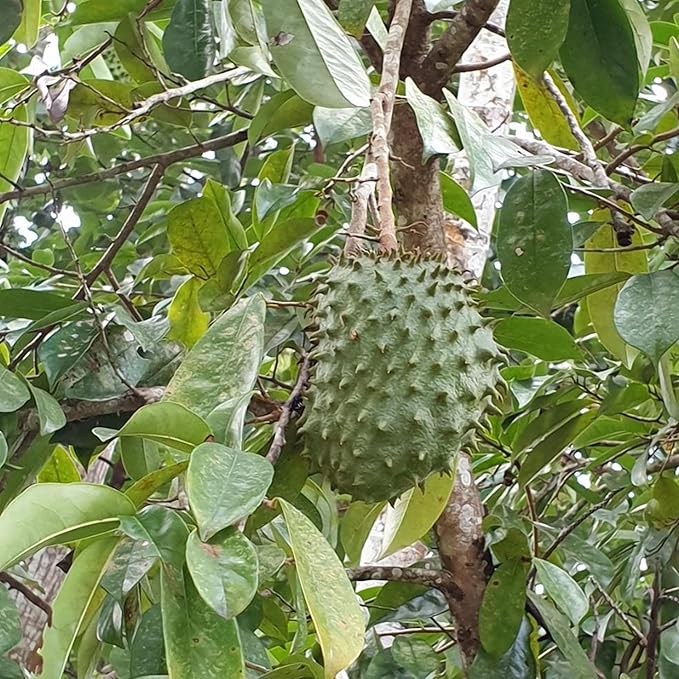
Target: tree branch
{"type": "Point", "coordinates": [441, 580]}
{"type": "Point", "coordinates": [28, 593]}
{"type": "Point", "coordinates": [128, 227]}
{"type": "Point", "coordinates": [382, 109]}
{"type": "Point", "coordinates": [163, 159]}
{"type": "Point", "coordinates": [439, 65]}
{"type": "Point", "coordinates": [287, 410]}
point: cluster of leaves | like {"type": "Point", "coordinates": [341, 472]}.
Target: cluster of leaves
{"type": "Point", "coordinates": [174, 188]}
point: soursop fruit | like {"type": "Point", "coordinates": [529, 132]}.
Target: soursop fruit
{"type": "Point", "coordinates": [405, 370]}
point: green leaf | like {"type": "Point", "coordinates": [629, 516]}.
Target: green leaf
{"type": "Point", "coordinates": [279, 242]}
{"type": "Point", "coordinates": [547, 422]}
{"type": "Point", "coordinates": [169, 424]}
{"type": "Point", "coordinates": [219, 194]}
{"type": "Point", "coordinates": [334, 125]}
{"type": "Point", "coordinates": [72, 603]}
{"type": "Point", "coordinates": [550, 447]}
{"type": "Point", "coordinates": [3, 450]}
{"type": "Point", "coordinates": [646, 313]}
{"type": "Point", "coordinates": [537, 336]}
{"type": "Point", "coordinates": [130, 46]}
{"type": "Point", "coordinates": [353, 15]}
{"type": "Point", "coordinates": [580, 666]}
{"type": "Point", "coordinates": [355, 528]}
{"type": "Point", "coordinates": [601, 304]}
{"type": "Point", "coordinates": [31, 304]}
{"type": "Point", "coordinates": [142, 489]}
{"type": "Point", "coordinates": [283, 111]}
{"type": "Point", "coordinates": [456, 200]}
{"type": "Point", "coordinates": [224, 485]}
{"type": "Point", "coordinates": [502, 607]}
{"type": "Point", "coordinates": [198, 236]}
{"type": "Point", "coordinates": [188, 41]}
{"type": "Point", "coordinates": [11, 82]}
{"type": "Point", "coordinates": [599, 56]}
{"type": "Point", "coordinates": [643, 36]}
{"type": "Point", "coordinates": [415, 512]}
{"type": "Point", "coordinates": [199, 644]}
{"type": "Point", "coordinates": [53, 513]}
{"type": "Point", "coordinates": [188, 322]}
{"type": "Point", "coordinates": [10, 625]}
{"type": "Point", "coordinates": [60, 468]}
{"type": "Point", "coordinates": [222, 366]}
{"type": "Point", "coordinates": [649, 198]}
{"type": "Point", "coordinates": [65, 348]}
{"type": "Point", "coordinates": [13, 392]}
{"type": "Point", "coordinates": [10, 18]}
{"type": "Point", "coordinates": [535, 31]}
{"type": "Point", "coordinates": [50, 414]}
{"type": "Point", "coordinates": [147, 649]}
{"type": "Point", "coordinates": [224, 571]}
{"type": "Point", "coordinates": [543, 111]}
{"type": "Point", "coordinates": [517, 663]}
{"type": "Point", "coordinates": [434, 125]}
{"type": "Point", "coordinates": [561, 587]}
{"type": "Point", "coordinates": [534, 241]}
{"type": "Point", "coordinates": [314, 55]}
{"type": "Point", "coordinates": [27, 33]}
{"type": "Point", "coordinates": [328, 593]}
{"type": "Point", "coordinates": [14, 141]}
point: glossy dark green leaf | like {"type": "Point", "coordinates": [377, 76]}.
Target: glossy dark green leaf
{"type": "Point", "coordinates": [3, 450]}
{"type": "Point", "coordinates": [314, 55]}
{"type": "Point", "coordinates": [534, 240]}
{"type": "Point", "coordinates": [147, 649]}
{"type": "Point", "coordinates": [563, 590]}
{"type": "Point", "coordinates": [31, 304]}
{"type": "Point", "coordinates": [10, 18]}
{"type": "Point", "coordinates": [456, 200]}
{"type": "Point", "coordinates": [224, 485]}
{"type": "Point", "coordinates": [550, 447]}
{"type": "Point", "coordinates": [580, 665]}
{"type": "Point", "coordinates": [502, 608]}
{"type": "Point", "coordinates": [599, 56]}
{"type": "Point", "coordinates": [517, 663]}
{"type": "Point", "coordinates": [10, 625]}
{"type": "Point", "coordinates": [646, 312]}
{"type": "Point", "coordinates": [535, 30]}
{"type": "Point", "coordinates": [13, 391]}
{"type": "Point", "coordinates": [224, 571]}
{"type": "Point", "coordinates": [199, 644]}
{"type": "Point", "coordinates": [537, 336]}
{"type": "Point", "coordinates": [188, 41]}
{"type": "Point", "coordinates": [131, 561]}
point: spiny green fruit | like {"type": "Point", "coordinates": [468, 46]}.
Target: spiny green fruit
{"type": "Point", "coordinates": [405, 371]}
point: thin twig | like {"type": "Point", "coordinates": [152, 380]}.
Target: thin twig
{"type": "Point", "coordinates": [441, 580]}
{"type": "Point", "coordinates": [635, 148]}
{"type": "Point", "coordinates": [28, 593]}
{"type": "Point", "coordinates": [382, 109]}
{"type": "Point", "coordinates": [164, 159]}
{"type": "Point", "coordinates": [127, 228]}
{"type": "Point", "coordinates": [482, 65]}
{"type": "Point", "coordinates": [287, 410]}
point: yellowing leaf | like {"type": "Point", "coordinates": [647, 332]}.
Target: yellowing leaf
{"type": "Point", "coordinates": [188, 322]}
{"type": "Point", "coordinates": [328, 593]}
{"type": "Point", "coordinates": [601, 304]}
{"type": "Point", "coordinates": [543, 111]}
{"type": "Point", "coordinates": [415, 512]}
